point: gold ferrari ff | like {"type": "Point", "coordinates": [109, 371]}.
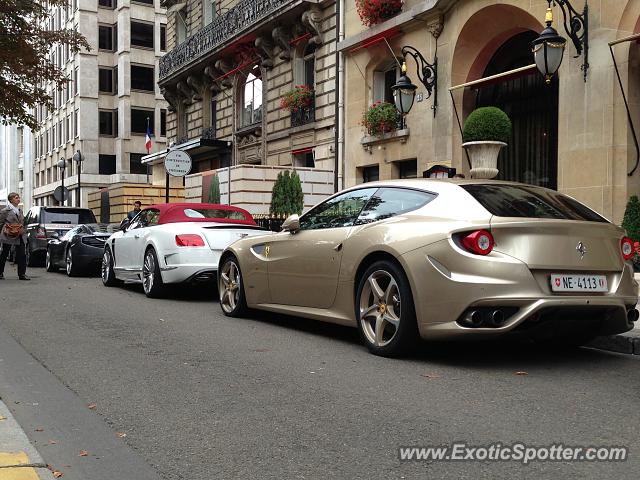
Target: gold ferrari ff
{"type": "Point", "coordinates": [439, 259]}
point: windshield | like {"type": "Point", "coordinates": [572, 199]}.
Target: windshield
{"type": "Point", "coordinates": [530, 202]}
{"type": "Point", "coordinates": [68, 216]}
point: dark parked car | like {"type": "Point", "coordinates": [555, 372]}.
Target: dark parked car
{"type": "Point", "coordinates": [79, 250]}
{"type": "Point", "coordinates": [41, 222]}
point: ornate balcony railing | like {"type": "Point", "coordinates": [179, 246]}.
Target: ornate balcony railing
{"type": "Point", "coordinates": [245, 14]}
{"type": "Point", "coordinates": [303, 116]}
{"type": "Point", "coordinates": [209, 133]}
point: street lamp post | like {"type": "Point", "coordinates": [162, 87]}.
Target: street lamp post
{"type": "Point", "coordinates": [62, 164]}
{"type": "Point", "coordinates": [404, 91]}
{"type": "Point", "coordinates": [79, 158]}
{"type": "Point", "coordinates": [548, 48]}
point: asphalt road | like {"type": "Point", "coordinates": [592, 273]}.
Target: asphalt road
{"type": "Point", "coordinates": [202, 396]}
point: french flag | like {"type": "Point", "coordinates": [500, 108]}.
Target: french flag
{"type": "Point", "coordinates": [147, 137]}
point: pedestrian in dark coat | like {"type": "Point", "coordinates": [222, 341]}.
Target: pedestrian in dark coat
{"type": "Point", "coordinates": [10, 217]}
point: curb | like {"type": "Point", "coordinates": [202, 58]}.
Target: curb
{"type": "Point", "coordinates": [628, 343]}
{"type": "Point", "coordinates": [19, 460]}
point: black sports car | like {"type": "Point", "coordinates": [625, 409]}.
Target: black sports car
{"type": "Point", "coordinates": [79, 250]}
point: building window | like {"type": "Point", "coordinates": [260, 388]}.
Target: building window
{"type": "Point", "coordinates": [309, 63]}
{"type": "Point", "coordinates": [75, 123]}
{"type": "Point", "coordinates": [370, 174]}
{"type": "Point", "coordinates": [107, 3]}
{"type": "Point", "coordinates": [304, 159]}
{"type": "Point", "coordinates": [106, 164]}
{"type": "Point", "coordinates": [107, 80]}
{"type": "Point", "coordinates": [407, 169]}
{"type": "Point", "coordinates": [108, 123]}
{"type": "Point", "coordinates": [135, 163]}
{"type": "Point", "coordinates": [147, 2]}
{"type": "Point", "coordinates": [139, 121]}
{"type": "Point", "coordinates": [163, 123]}
{"type": "Point", "coordinates": [142, 78]}
{"type": "Point", "coordinates": [383, 80]}
{"type": "Point", "coordinates": [163, 37]}
{"type": "Point", "coordinates": [181, 25]}
{"type": "Point", "coordinates": [251, 99]}
{"type": "Point", "coordinates": [107, 38]}
{"type": "Point", "coordinates": [142, 34]}
{"type": "Point", "coordinates": [209, 11]}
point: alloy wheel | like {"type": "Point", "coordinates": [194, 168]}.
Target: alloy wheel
{"type": "Point", "coordinates": [229, 286]}
{"type": "Point", "coordinates": [47, 262]}
{"type": "Point", "coordinates": [380, 308]}
{"type": "Point", "coordinates": [106, 265]}
{"type": "Point", "coordinates": [148, 272]}
{"type": "Point", "coordinates": [69, 262]}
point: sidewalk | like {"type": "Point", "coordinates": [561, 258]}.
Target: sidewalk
{"type": "Point", "coordinates": [628, 342]}
{"type": "Point", "coordinates": [19, 460]}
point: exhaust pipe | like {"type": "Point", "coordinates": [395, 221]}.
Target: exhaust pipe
{"type": "Point", "coordinates": [496, 318]}
{"type": "Point", "coordinates": [472, 319]}
{"type": "Point", "coordinates": [632, 315]}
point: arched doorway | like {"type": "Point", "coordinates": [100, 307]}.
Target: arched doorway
{"type": "Point", "coordinates": [532, 106]}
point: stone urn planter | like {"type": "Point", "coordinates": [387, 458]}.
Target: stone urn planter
{"type": "Point", "coordinates": [486, 131]}
{"type": "Point", "coordinates": [484, 158]}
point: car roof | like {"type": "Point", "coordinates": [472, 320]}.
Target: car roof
{"type": "Point", "coordinates": [436, 185]}
{"type": "Point", "coordinates": [174, 213]}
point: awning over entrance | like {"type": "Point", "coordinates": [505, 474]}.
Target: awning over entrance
{"type": "Point", "coordinates": [196, 148]}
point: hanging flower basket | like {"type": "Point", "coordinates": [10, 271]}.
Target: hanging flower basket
{"type": "Point", "coordinates": [381, 117]}
{"type": "Point", "coordinates": [373, 12]}
{"type": "Point", "coordinates": [298, 98]}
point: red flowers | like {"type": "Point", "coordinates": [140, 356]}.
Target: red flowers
{"type": "Point", "coordinates": [298, 98]}
{"type": "Point", "coordinates": [375, 11]}
{"type": "Point", "coordinates": [381, 117]}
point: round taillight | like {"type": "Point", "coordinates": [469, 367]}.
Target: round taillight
{"type": "Point", "coordinates": [626, 246]}
{"type": "Point", "coordinates": [479, 242]}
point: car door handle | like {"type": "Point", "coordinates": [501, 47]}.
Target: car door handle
{"type": "Point", "coordinates": [136, 236]}
{"type": "Point", "coordinates": [338, 247]}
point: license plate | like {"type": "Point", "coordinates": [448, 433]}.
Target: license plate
{"type": "Point", "coordinates": [578, 283]}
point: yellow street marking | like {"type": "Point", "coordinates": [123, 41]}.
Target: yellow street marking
{"type": "Point", "coordinates": [16, 473]}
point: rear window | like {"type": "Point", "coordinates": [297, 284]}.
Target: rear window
{"type": "Point", "coordinates": [68, 216]}
{"type": "Point", "coordinates": [530, 202]}
{"type": "Point", "coordinates": [214, 213]}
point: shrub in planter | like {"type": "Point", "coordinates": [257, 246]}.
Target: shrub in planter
{"type": "Point", "coordinates": [631, 223]}
{"type": "Point", "coordinates": [298, 98]}
{"type": "Point", "coordinates": [286, 196]}
{"type": "Point", "coordinates": [487, 124]}
{"type": "Point", "coordinates": [214, 190]}
{"type": "Point", "coordinates": [375, 11]}
{"type": "Point", "coordinates": [381, 117]}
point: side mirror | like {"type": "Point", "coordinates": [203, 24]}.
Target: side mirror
{"type": "Point", "coordinates": [124, 224]}
{"type": "Point", "coordinates": [291, 224]}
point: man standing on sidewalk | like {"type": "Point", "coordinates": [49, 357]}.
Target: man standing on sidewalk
{"type": "Point", "coordinates": [12, 232]}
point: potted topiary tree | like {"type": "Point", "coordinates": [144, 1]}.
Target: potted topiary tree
{"type": "Point", "coordinates": [486, 130]}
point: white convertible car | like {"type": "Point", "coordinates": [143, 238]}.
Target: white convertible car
{"type": "Point", "coordinates": [173, 243]}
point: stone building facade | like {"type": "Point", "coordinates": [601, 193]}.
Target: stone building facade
{"type": "Point", "coordinates": [16, 164]}
{"type": "Point", "coordinates": [228, 66]}
{"type": "Point", "coordinates": [572, 135]}
{"type": "Point", "coordinates": [103, 109]}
